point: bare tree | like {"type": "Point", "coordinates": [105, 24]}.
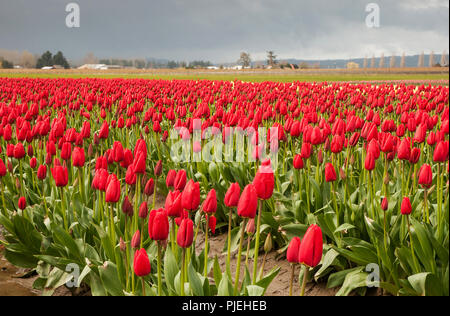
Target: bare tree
{"type": "Point", "coordinates": [381, 64]}
{"type": "Point", "coordinates": [271, 58]}
{"type": "Point", "coordinates": [421, 62]}
{"type": "Point", "coordinates": [245, 60]}
{"type": "Point", "coordinates": [90, 59]}
{"type": "Point", "coordinates": [403, 61]}
{"type": "Point", "coordinates": [365, 62]}
{"type": "Point", "coordinates": [444, 58]}
{"type": "Point", "coordinates": [392, 61]}
{"type": "Point", "coordinates": [27, 60]}
{"type": "Point", "coordinates": [431, 59]}
{"type": "Point", "coordinates": [372, 62]}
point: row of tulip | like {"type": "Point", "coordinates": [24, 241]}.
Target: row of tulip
{"type": "Point", "coordinates": [362, 166]}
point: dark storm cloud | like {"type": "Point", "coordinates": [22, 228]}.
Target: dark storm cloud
{"type": "Point", "coordinates": [219, 30]}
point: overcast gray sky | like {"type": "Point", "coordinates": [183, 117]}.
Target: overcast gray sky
{"type": "Point", "coordinates": [218, 30]}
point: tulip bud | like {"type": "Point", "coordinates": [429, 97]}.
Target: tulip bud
{"type": "Point", "coordinates": [143, 210]}
{"type": "Point", "coordinates": [122, 245]}
{"type": "Point", "coordinates": [386, 179]}
{"type": "Point", "coordinates": [342, 174]}
{"type": "Point", "coordinates": [406, 207]}
{"type": "Point", "coordinates": [136, 240]}
{"type": "Point", "coordinates": [293, 249]}
{"type": "Point", "coordinates": [250, 228]}
{"type": "Point", "coordinates": [212, 223]}
{"type": "Point", "coordinates": [185, 233]}
{"type": "Point", "coordinates": [268, 244]}
{"type": "Point", "coordinates": [384, 204]}
{"type": "Point", "coordinates": [90, 150]}
{"type": "Point", "coordinates": [149, 187]}
{"type": "Point", "coordinates": [22, 203]}
{"type": "Point", "coordinates": [158, 168]}
{"type": "Point", "coordinates": [127, 207]}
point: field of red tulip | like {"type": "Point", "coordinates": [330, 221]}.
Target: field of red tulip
{"type": "Point", "coordinates": [347, 182]}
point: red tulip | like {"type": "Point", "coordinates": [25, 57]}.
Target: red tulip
{"type": "Point", "coordinates": [190, 198]}
{"type": "Point", "coordinates": [33, 162]}
{"type": "Point", "coordinates": [370, 161]}
{"type": "Point", "coordinates": [2, 168]}
{"type": "Point", "coordinates": [210, 203]}
{"type": "Point", "coordinates": [330, 173]}
{"type": "Point", "coordinates": [404, 150]}
{"type": "Point", "coordinates": [298, 162]}
{"type": "Point", "coordinates": [173, 204]}
{"type": "Point", "coordinates": [143, 210]}
{"type": "Point", "coordinates": [384, 204]}
{"type": "Point", "coordinates": [141, 263]}
{"type": "Point", "coordinates": [78, 157]}
{"type": "Point", "coordinates": [415, 155]}
{"type": "Point", "coordinates": [19, 151]}
{"type": "Point", "coordinates": [311, 247]}
{"type": "Point", "coordinates": [130, 175]}
{"type": "Point", "coordinates": [185, 234]}
{"type": "Point", "coordinates": [104, 131]}
{"type": "Point", "coordinates": [248, 202]}
{"type": "Point", "coordinates": [66, 151]}
{"type": "Point", "coordinates": [22, 203]}
{"type": "Point", "coordinates": [306, 150]}
{"type": "Point", "coordinates": [180, 180]}
{"type": "Point", "coordinates": [425, 176]}
{"type": "Point", "coordinates": [158, 168]}
{"type": "Point", "coordinates": [406, 207]}
{"type": "Point", "coordinates": [112, 189]}
{"type": "Point", "coordinates": [149, 187]}
{"type": "Point", "coordinates": [127, 207]}
{"type": "Point", "coordinates": [42, 172]}
{"type": "Point", "coordinates": [100, 178]}
{"type": "Point", "coordinates": [139, 162]}
{"type": "Point", "coordinates": [441, 152]}
{"type": "Point", "coordinates": [232, 195]}
{"type": "Point", "coordinates": [158, 225]}
{"type": "Point", "coordinates": [170, 179]}
{"type": "Point", "coordinates": [212, 223]}
{"type": "Point", "coordinates": [118, 153]}
{"type": "Point", "coordinates": [136, 240]}
{"type": "Point", "coordinates": [293, 249]}
{"type": "Point", "coordinates": [264, 181]}
{"type": "Point", "coordinates": [61, 175]}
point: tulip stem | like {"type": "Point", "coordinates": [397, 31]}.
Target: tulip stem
{"type": "Point", "coordinates": [173, 236]}
{"type": "Point", "coordinates": [255, 256]}
{"type": "Point", "coordinates": [3, 201]}
{"type": "Point", "coordinates": [411, 244]}
{"type": "Point", "coordinates": [159, 270]}
{"type": "Point", "coordinates": [111, 223]}
{"type": "Point", "coordinates": [305, 280]}
{"type": "Point", "coordinates": [183, 259]}
{"type": "Point", "coordinates": [206, 248]}
{"type": "Point", "coordinates": [80, 179]}
{"type": "Point", "coordinates": [63, 210]}
{"type": "Point", "coordinates": [292, 278]}
{"type": "Point", "coordinates": [143, 287]}
{"type": "Point", "coordinates": [238, 264]}
{"type": "Point", "coordinates": [230, 215]}
{"type": "Point", "coordinates": [426, 213]}
{"type": "Point", "coordinates": [249, 239]}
